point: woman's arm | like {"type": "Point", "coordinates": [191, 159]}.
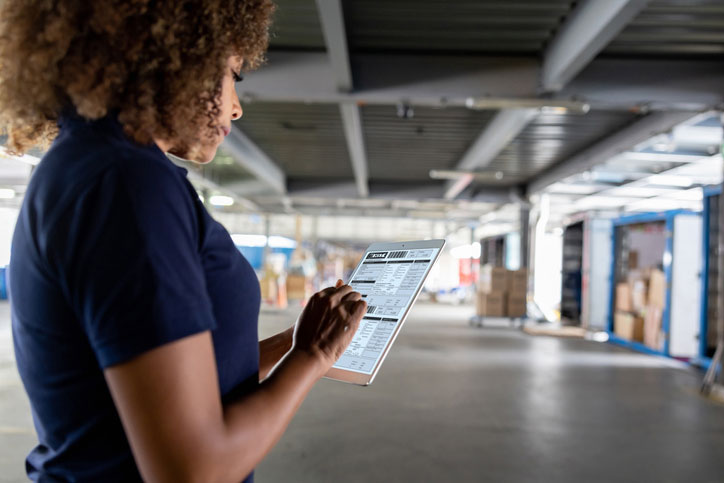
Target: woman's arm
{"type": "Point", "coordinates": [271, 350]}
{"type": "Point", "coordinates": [169, 402]}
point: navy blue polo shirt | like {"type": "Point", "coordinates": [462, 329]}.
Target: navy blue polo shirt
{"type": "Point", "coordinates": [113, 255]}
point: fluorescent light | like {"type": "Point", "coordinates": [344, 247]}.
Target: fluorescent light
{"type": "Point", "coordinates": [638, 191]}
{"type": "Point", "coordinates": [670, 180]}
{"type": "Point", "coordinates": [663, 204]}
{"type": "Point", "coordinates": [573, 189]}
{"type": "Point", "coordinates": [596, 201]}
{"type": "Point", "coordinates": [660, 157]}
{"type": "Point", "coordinates": [7, 193]}
{"type": "Point", "coordinates": [221, 200]}
{"type": "Point", "coordinates": [693, 194]}
{"type": "Point", "coordinates": [275, 241]}
{"type": "Point", "coordinates": [699, 135]}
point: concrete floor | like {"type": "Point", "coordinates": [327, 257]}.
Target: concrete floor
{"type": "Point", "coordinates": [456, 403]}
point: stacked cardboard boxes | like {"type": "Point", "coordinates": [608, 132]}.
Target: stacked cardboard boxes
{"type": "Point", "coordinates": [501, 292]}
{"type": "Point", "coordinates": [640, 302]}
{"type": "Point", "coordinates": [653, 335]}
{"type": "Point", "coordinates": [298, 287]}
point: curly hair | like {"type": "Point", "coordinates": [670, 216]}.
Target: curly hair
{"type": "Point", "coordinates": [157, 63]}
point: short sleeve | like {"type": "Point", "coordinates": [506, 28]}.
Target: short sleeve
{"type": "Point", "coordinates": [127, 257]}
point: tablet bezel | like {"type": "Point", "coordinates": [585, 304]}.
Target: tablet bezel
{"type": "Point", "coordinates": [359, 378]}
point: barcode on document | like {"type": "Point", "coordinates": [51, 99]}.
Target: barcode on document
{"type": "Point", "coordinates": [402, 254]}
{"type": "Point", "coordinates": [371, 309]}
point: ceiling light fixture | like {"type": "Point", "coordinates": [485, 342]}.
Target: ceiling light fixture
{"type": "Point", "coordinates": [7, 193]}
{"type": "Point", "coordinates": [221, 200]}
{"type": "Point", "coordinates": [670, 180]}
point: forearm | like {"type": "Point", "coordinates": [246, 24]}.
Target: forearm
{"type": "Point", "coordinates": [271, 350]}
{"type": "Point", "coordinates": [252, 425]}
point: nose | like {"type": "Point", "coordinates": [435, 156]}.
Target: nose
{"type": "Point", "coordinates": [236, 110]}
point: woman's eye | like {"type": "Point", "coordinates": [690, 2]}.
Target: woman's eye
{"type": "Point", "coordinates": [237, 76]}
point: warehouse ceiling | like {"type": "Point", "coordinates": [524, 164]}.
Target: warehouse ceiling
{"type": "Point", "coordinates": [456, 110]}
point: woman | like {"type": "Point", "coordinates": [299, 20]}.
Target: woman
{"type": "Point", "coordinates": [134, 317]}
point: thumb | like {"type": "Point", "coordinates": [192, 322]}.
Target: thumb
{"type": "Point", "coordinates": [339, 283]}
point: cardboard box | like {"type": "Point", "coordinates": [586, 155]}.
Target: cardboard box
{"type": "Point", "coordinates": [268, 287]}
{"type": "Point", "coordinates": [628, 326]}
{"type": "Point", "coordinates": [623, 297]}
{"type": "Point", "coordinates": [653, 337]}
{"type": "Point", "coordinates": [490, 304]}
{"type": "Point", "coordinates": [493, 279]}
{"type": "Point", "coordinates": [518, 281]}
{"type": "Point", "coordinates": [657, 289]}
{"type": "Point", "coordinates": [516, 305]}
{"type": "Point", "coordinates": [296, 287]}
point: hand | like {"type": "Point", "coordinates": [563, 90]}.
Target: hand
{"type": "Point", "coordinates": [328, 322]}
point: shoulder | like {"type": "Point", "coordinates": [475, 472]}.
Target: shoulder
{"type": "Point", "coordinates": [89, 178]}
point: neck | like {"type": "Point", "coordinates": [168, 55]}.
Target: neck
{"type": "Point", "coordinates": [164, 146]}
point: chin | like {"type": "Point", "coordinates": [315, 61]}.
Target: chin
{"type": "Point", "coordinates": [205, 158]}
{"type": "Point", "coordinates": [202, 155]}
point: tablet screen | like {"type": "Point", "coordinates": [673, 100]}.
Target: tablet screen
{"type": "Point", "coordinates": [388, 281]}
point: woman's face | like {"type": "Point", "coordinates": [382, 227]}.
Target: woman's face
{"type": "Point", "coordinates": [230, 109]}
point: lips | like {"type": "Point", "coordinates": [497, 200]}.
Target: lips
{"type": "Point", "coordinates": [226, 130]}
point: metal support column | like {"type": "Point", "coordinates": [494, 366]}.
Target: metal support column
{"type": "Point", "coordinates": [524, 235]}
{"type": "Point", "coordinates": [709, 383]}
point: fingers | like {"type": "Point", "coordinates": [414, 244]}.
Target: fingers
{"type": "Point", "coordinates": [351, 296]}
{"type": "Point", "coordinates": [339, 283]}
{"type": "Point", "coordinates": [339, 293]}
{"type": "Point", "coordinates": [348, 325]}
{"type": "Point", "coordinates": [359, 309]}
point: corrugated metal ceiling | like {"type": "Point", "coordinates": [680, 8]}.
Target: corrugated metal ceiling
{"type": "Point", "coordinates": [550, 139]}
{"type": "Point", "coordinates": [673, 28]}
{"type": "Point", "coordinates": [665, 28]}
{"type": "Point", "coordinates": [407, 149]}
{"type": "Point", "coordinates": [306, 140]}
{"type": "Point", "coordinates": [513, 27]}
{"type": "Point", "coordinates": [296, 26]}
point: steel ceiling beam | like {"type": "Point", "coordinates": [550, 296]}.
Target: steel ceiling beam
{"type": "Point", "coordinates": [486, 82]}
{"type": "Point", "coordinates": [393, 191]}
{"type": "Point", "coordinates": [388, 78]}
{"type": "Point", "coordinates": [332, 21]}
{"type": "Point", "coordinates": [499, 132]}
{"type": "Point", "coordinates": [656, 84]}
{"type": "Point", "coordinates": [586, 31]}
{"type": "Point", "coordinates": [250, 157]}
{"type": "Point", "coordinates": [620, 141]}
{"type": "Point", "coordinates": [352, 123]}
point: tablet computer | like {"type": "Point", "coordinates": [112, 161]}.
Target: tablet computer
{"type": "Point", "coordinates": [389, 277]}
